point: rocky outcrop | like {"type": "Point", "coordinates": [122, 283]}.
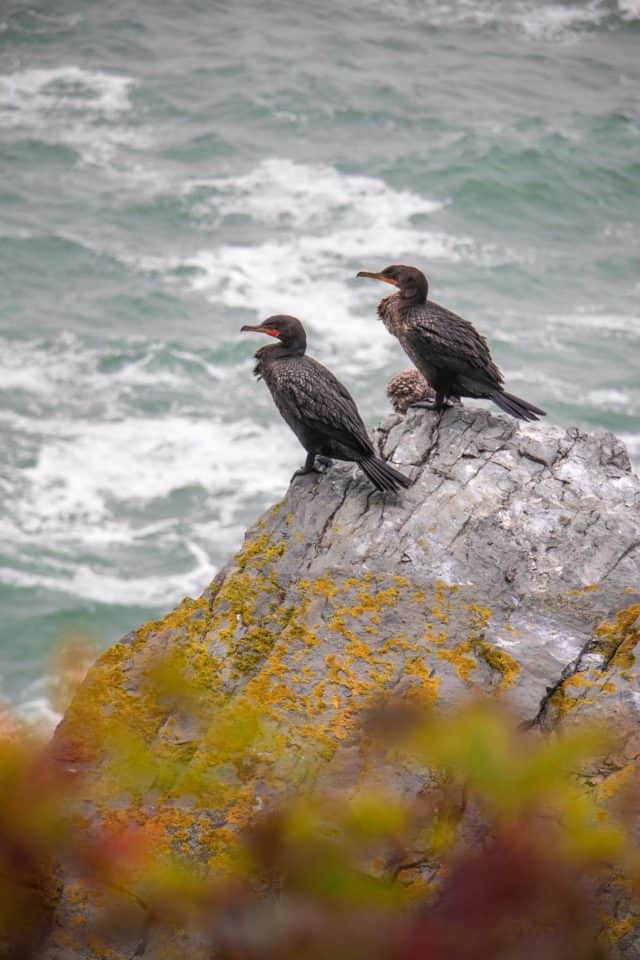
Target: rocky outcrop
{"type": "Point", "coordinates": [511, 567]}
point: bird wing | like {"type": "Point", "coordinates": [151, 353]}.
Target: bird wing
{"type": "Point", "coordinates": [452, 343]}
{"type": "Point", "coordinates": [325, 404]}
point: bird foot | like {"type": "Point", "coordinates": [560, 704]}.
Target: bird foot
{"type": "Point", "coordinates": [303, 472]}
{"type": "Point", "coordinates": [443, 402]}
{"type": "Point", "coordinates": [432, 405]}
{"type": "Point", "coordinates": [318, 465]}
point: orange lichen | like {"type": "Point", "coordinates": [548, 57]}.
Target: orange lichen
{"type": "Point", "coordinates": [225, 689]}
{"type": "Point", "coordinates": [614, 929]}
{"type": "Point", "coordinates": [617, 781]}
{"type": "Point", "coordinates": [441, 603]}
{"type": "Point", "coordinates": [563, 701]}
{"type": "Point", "coordinates": [617, 640]}
{"type": "Point", "coordinates": [324, 587]}
{"type": "Point", "coordinates": [580, 591]}
{"type": "Point", "coordinates": [500, 662]}
{"type": "Point", "coordinates": [460, 658]}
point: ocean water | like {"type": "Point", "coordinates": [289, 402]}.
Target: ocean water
{"type": "Point", "coordinates": [171, 171]}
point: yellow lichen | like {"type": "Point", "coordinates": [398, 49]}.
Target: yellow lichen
{"type": "Point", "coordinates": [580, 591]}
{"type": "Point", "coordinates": [616, 781]}
{"type": "Point", "coordinates": [563, 701]}
{"type": "Point", "coordinates": [248, 651]}
{"type": "Point", "coordinates": [441, 603]}
{"type": "Point", "coordinates": [460, 658]}
{"type": "Point", "coordinates": [324, 587]}
{"type": "Point", "coordinates": [617, 640]}
{"type": "Point", "coordinates": [614, 929]}
{"type": "Point", "coordinates": [222, 689]}
{"type": "Point", "coordinates": [501, 663]}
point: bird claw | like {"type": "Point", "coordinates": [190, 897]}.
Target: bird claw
{"type": "Point", "coordinates": [441, 403]}
{"type": "Point", "coordinates": [431, 405]}
{"type": "Point", "coordinates": [319, 465]}
{"type": "Point", "coordinates": [302, 472]}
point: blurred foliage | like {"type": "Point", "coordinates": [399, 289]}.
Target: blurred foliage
{"type": "Point", "coordinates": [72, 655]}
{"type": "Point", "coordinates": [504, 849]}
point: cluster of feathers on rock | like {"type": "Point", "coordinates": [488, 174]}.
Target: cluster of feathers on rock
{"type": "Point", "coordinates": [452, 360]}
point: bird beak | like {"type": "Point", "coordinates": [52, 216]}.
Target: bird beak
{"type": "Point", "coordinates": [377, 276]}
{"type": "Point", "coordinates": [259, 329]}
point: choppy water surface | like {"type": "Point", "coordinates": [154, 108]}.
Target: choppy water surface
{"type": "Point", "coordinates": [171, 171]}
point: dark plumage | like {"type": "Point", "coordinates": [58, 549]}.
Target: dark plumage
{"type": "Point", "coordinates": [448, 350]}
{"type": "Point", "coordinates": [409, 389]}
{"type": "Point", "coordinates": [319, 410]}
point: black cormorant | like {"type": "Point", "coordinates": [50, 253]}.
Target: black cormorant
{"type": "Point", "coordinates": [447, 350]}
{"type": "Point", "coordinates": [319, 410]}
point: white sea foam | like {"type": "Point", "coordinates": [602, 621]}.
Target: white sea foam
{"type": "Point", "coordinates": [69, 368]}
{"type": "Point", "coordinates": [629, 9]}
{"type": "Point", "coordinates": [39, 367]}
{"type": "Point", "coordinates": [87, 583]}
{"type": "Point", "coordinates": [39, 714]}
{"type": "Point", "coordinates": [319, 226]}
{"type": "Point", "coordinates": [83, 109]}
{"type": "Point", "coordinates": [610, 399]}
{"type": "Point", "coordinates": [551, 387]}
{"type": "Point", "coordinates": [30, 95]}
{"type": "Point", "coordinates": [611, 322]}
{"type": "Point", "coordinates": [281, 192]}
{"type": "Point", "coordinates": [99, 482]}
{"type": "Point", "coordinates": [84, 468]}
{"type": "Point", "coordinates": [565, 390]}
{"type": "Point", "coordinates": [96, 483]}
{"type": "Point", "coordinates": [554, 19]}
{"type": "Point", "coordinates": [632, 443]}
{"type": "Point", "coordinates": [549, 21]}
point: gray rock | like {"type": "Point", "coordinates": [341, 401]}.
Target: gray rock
{"type": "Point", "coordinates": [511, 566]}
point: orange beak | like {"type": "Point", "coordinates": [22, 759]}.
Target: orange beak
{"type": "Point", "coordinates": [377, 276]}
{"type": "Point", "coordinates": [259, 329]}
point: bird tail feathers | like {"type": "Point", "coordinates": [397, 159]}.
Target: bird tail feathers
{"type": "Point", "coordinates": [516, 407]}
{"type": "Point", "coordinates": [382, 475]}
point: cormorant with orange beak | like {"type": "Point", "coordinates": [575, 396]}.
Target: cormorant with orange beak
{"type": "Point", "coordinates": [447, 350]}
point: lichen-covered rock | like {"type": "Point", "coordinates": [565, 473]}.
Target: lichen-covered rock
{"type": "Point", "coordinates": [511, 566]}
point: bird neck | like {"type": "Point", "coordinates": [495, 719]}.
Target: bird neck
{"type": "Point", "coordinates": [277, 351]}
{"type": "Point", "coordinates": [413, 296]}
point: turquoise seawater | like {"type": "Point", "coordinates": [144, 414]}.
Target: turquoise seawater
{"type": "Point", "coordinates": [171, 171]}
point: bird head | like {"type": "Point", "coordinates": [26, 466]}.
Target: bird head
{"type": "Point", "coordinates": [410, 281]}
{"type": "Point", "coordinates": [288, 330]}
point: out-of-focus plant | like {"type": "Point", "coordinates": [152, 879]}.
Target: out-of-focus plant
{"type": "Point", "coordinates": [72, 655]}
{"type": "Point", "coordinates": [502, 848]}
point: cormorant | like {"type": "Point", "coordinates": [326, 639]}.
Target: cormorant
{"type": "Point", "coordinates": [319, 410]}
{"type": "Point", "coordinates": [409, 389]}
{"type": "Point", "coordinates": [447, 350]}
